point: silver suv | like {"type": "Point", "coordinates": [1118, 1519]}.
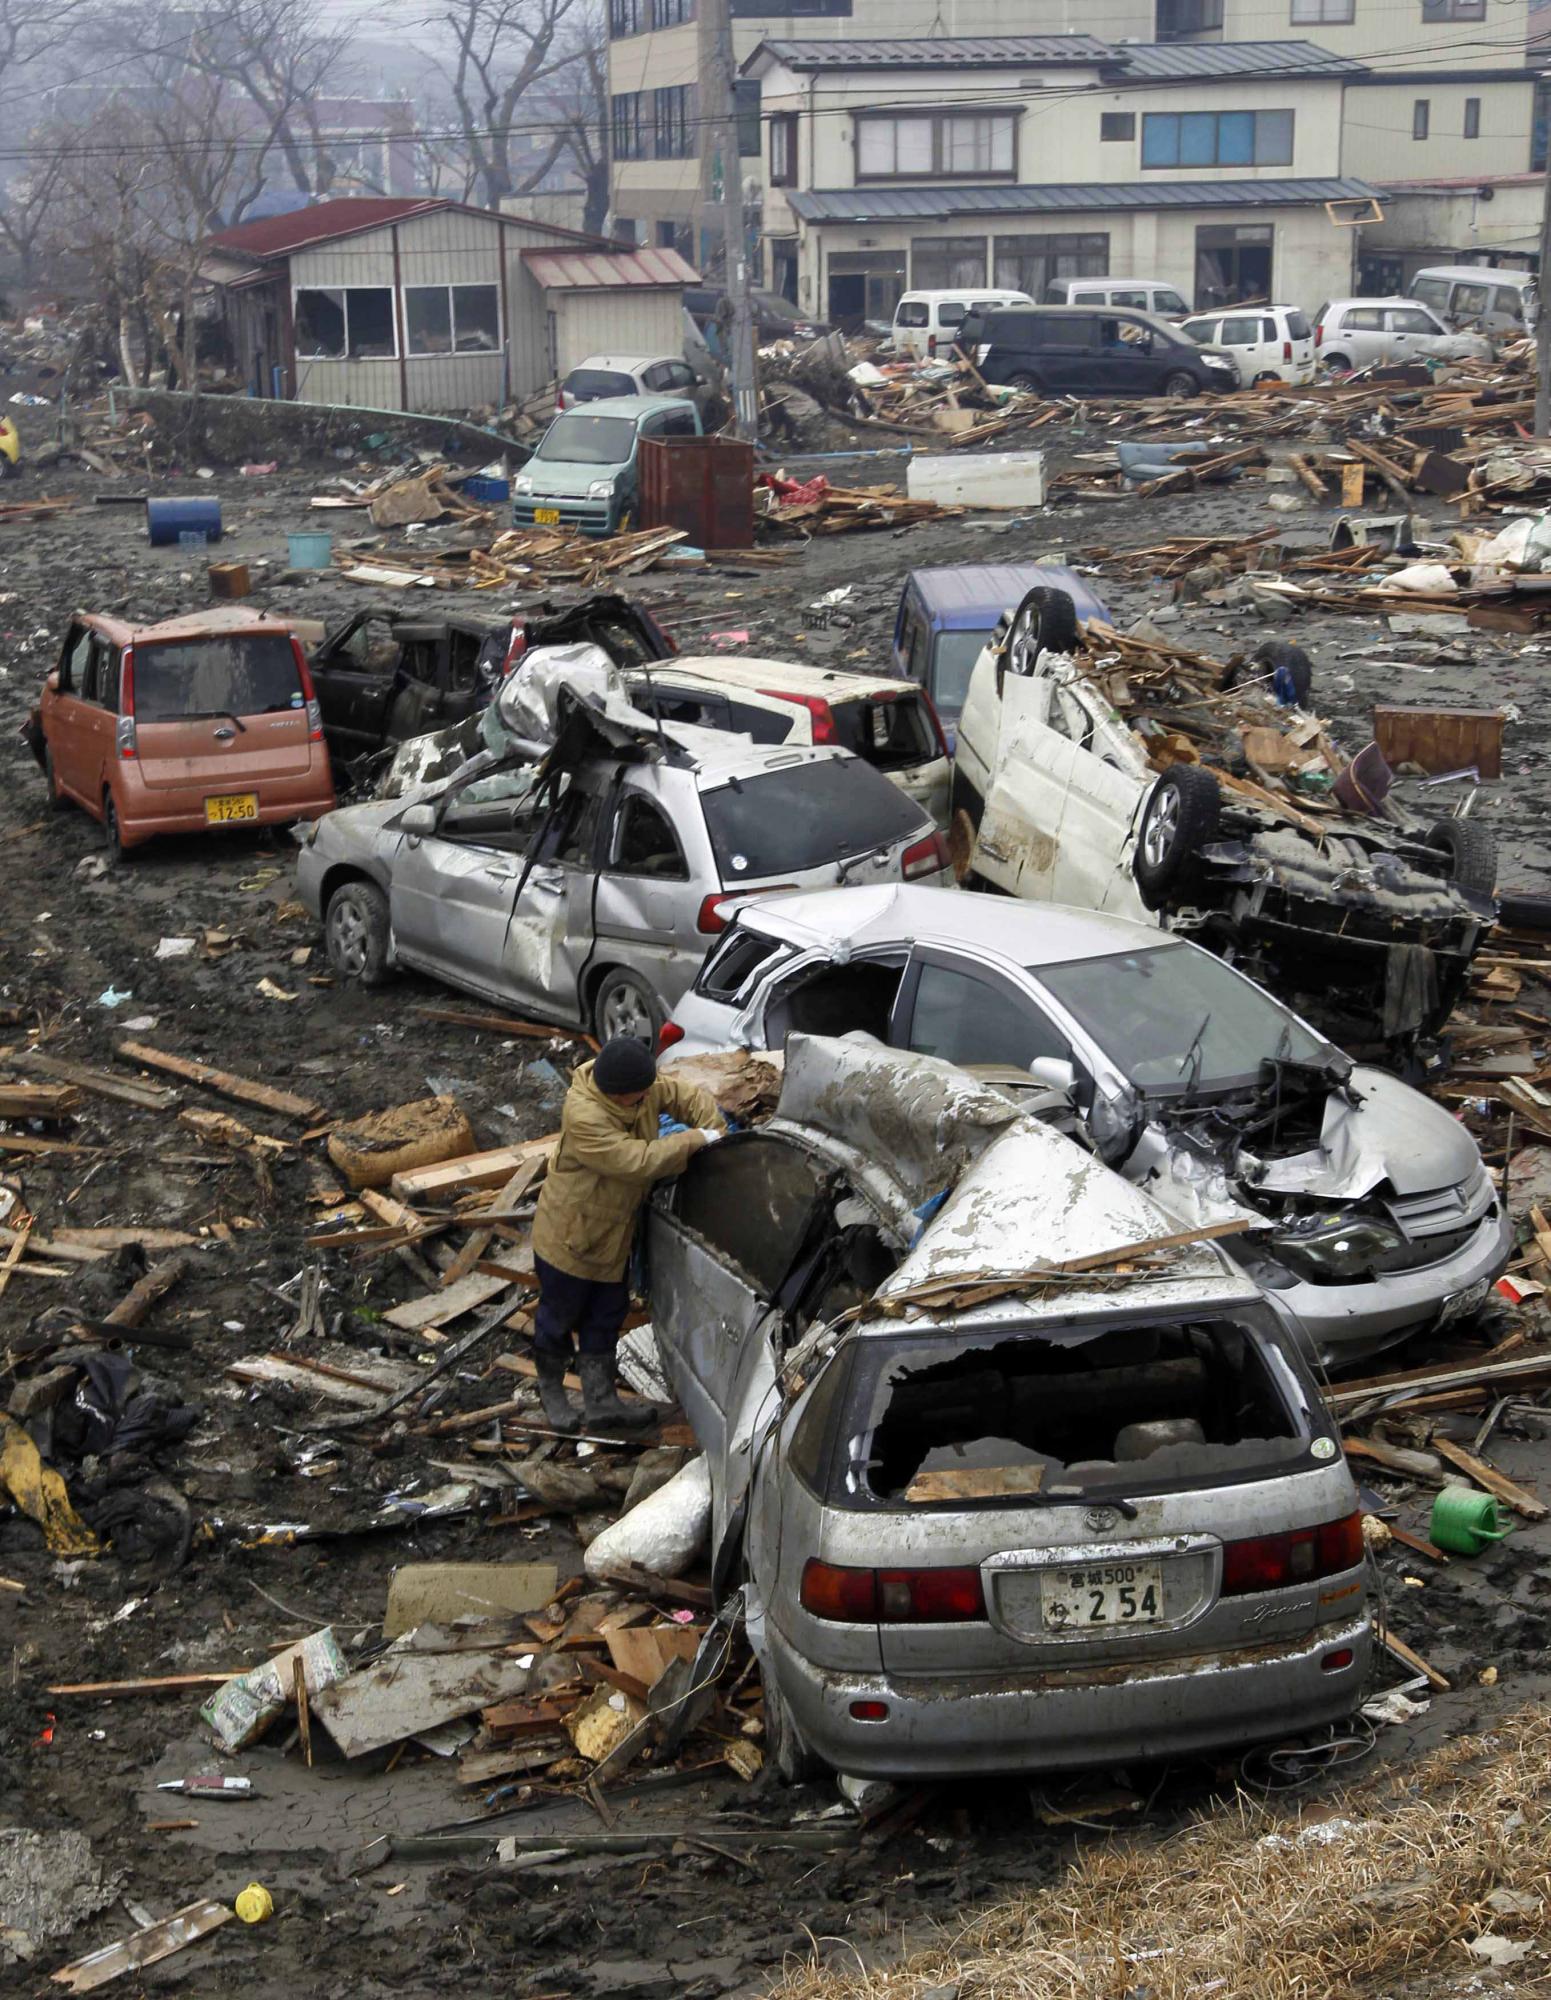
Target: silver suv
{"type": "Point", "coordinates": [989, 1522]}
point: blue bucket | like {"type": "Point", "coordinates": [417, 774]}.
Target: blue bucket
{"type": "Point", "coordinates": [482, 487]}
{"type": "Point", "coordinates": [310, 551]}
{"type": "Point", "coordinates": [168, 521]}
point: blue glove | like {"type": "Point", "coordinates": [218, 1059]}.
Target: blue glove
{"type": "Point", "coordinates": [667, 1123]}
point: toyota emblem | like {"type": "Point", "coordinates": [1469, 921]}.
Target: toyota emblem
{"type": "Point", "coordinates": [1097, 1519]}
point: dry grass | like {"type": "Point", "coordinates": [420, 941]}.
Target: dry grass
{"type": "Point", "coordinates": [1377, 1892]}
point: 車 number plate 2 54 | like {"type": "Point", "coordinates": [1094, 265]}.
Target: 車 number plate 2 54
{"type": "Point", "coordinates": [1101, 1596]}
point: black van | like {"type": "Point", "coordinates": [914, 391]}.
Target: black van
{"type": "Point", "coordinates": [1091, 351]}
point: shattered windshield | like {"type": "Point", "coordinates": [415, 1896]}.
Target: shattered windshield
{"type": "Point", "coordinates": [584, 440]}
{"type": "Point", "coordinates": [1175, 1018]}
{"type": "Point", "coordinates": [953, 661]}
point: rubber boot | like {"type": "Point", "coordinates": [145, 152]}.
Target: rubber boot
{"type": "Point", "coordinates": [600, 1398]}
{"type": "Point", "coordinates": [559, 1411]}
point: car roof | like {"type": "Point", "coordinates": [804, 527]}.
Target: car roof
{"type": "Point", "coordinates": [624, 406]}
{"type": "Point", "coordinates": [1022, 934]}
{"type": "Point", "coordinates": [620, 361]}
{"type": "Point", "coordinates": [1234, 312]}
{"type": "Point", "coordinates": [1389, 299]}
{"type": "Point", "coordinates": [214, 619]}
{"type": "Point", "coordinates": [1491, 273]}
{"type": "Point", "coordinates": [758, 676]}
{"type": "Point", "coordinates": [721, 754]}
{"type": "Point", "coordinates": [961, 596]}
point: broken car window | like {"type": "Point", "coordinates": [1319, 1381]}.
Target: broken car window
{"type": "Point", "coordinates": [784, 821]}
{"type": "Point", "coordinates": [751, 1204]}
{"type": "Point", "coordinates": [249, 673]}
{"type": "Point", "coordinates": [728, 969]}
{"type": "Point", "coordinates": [965, 1019]}
{"type": "Point", "coordinates": [645, 844]}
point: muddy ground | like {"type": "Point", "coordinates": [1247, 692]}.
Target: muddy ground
{"type": "Point", "coordinates": [77, 962]}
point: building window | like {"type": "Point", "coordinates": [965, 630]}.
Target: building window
{"type": "Point", "coordinates": [1421, 117]}
{"type": "Point", "coordinates": [1322, 13]}
{"type": "Point", "coordinates": [747, 88]}
{"type": "Point", "coordinates": [783, 149]}
{"type": "Point", "coordinates": [761, 9]}
{"type": "Point", "coordinates": [345, 323]}
{"type": "Point", "coordinates": [626, 17]}
{"type": "Point", "coordinates": [1453, 10]}
{"type": "Point", "coordinates": [1179, 19]}
{"type": "Point", "coordinates": [1472, 117]}
{"type": "Point", "coordinates": [629, 132]}
{"type": "Point", "coordinates": [452, 319]}
{"type": "Point", "coordinates": [1540, 137]}
{"type": "Point", "coordinates": [1030, 263]}
{"type": "Point", "coordinates": [1217, 139]}
{"type": "Point", "coordinates": [1233, 263]}
{"type": "Point", "coordinates": [671, 138]}
{"type": "Point", "coordinates": [946, 145]}
{"type": "Point", "coordinates": [944, 263]}
{"type": "Point", "coordinates": [1117, 125]}
{"type": "Point", "coordinates": [672, 13]}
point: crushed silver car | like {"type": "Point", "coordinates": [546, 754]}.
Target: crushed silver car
{"type": "Point", "coordinates": [580, 865]}
{"type": "Point", "coordinates": [1016, 1487]}
{"type": "Point", "coordinates": [1370, 1213]}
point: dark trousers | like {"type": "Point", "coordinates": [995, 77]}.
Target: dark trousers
{"type": "Point", "coordinates": [590, 1308]}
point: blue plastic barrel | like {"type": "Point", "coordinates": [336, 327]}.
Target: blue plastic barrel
{"type": "Point", "coordinates": [166, 521]}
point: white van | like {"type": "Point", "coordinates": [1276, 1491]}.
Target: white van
{"type": "Point", "coordinates": [1477, 295]}
{"type": "Point", "coordinates": [1145, 294]}
{"type": "Point", "coordinates": [927, 323]}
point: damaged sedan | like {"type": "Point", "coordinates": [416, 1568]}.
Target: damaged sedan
{"type": "Point", "coordinates": [1029, 1484]}
{"type": "Point", "coordinates": [1368, 1213]}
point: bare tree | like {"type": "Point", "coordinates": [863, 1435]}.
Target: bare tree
{"type": "Point", "coordinates": [502, 50]}
{"type": "Point", "coordinates": [25, 205]}
{"type": "Point", "coordinates": [30, 29]}
{"type": "Point", "coordinates": [583, 101]}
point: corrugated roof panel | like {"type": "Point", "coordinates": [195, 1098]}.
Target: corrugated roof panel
{"type": "Point", "coordinates": [1207, 59]}
{"type": "Point", "coordinates": [608, 270]}
{"type": "Point", "coordinates": [945, 52]}
{"type": "Point", "coordinates": [921, 204]}
{"type": "Point", "coordinates": [274, 235]}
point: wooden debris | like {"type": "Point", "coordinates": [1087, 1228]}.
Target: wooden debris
{"type": "Point", "coordinates": [1496, 1483]}
{"type": "Point", "coordinates": [38, 1100]}
{"type": "Point", "coordinates": [1414, 1661]}
{"type": "Point", "coordinates": [370, 1151]}
{"type": "Point", "coordinates": [223, 1082]}
{"type": "Point", "coordinates": [476, 1170]}
{"type": "Point", "coordinates": [100, 1083]}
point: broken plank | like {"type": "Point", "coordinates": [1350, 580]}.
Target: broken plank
{"type": "Point", "coordinates": [123, 1239]}
{"type": "Point", "coordinates": [292, 1374]}
{"type": "Point", "coordinates": [1414, 1661]}
{"type": "Point", "coordinates": [1523, 1369]}
{"type": "Point", "coordinates": [403, 1693]}
{"type": "Point", "coordinates": [438, 1307]}
{"type": "Point", "coordinates": [156, 1941]}
{"type": "Point", "coordinates": [501, 1024]}
{"type": "Point", "coordinates": [223, 1082]}
{"type": "Point", "coordinates": [474, 1170]}
{"type": "Point", "coordinates": [38, 1100]}
{"type": "Point", "coordinates": [19, 1142]}
{"type": "Point", "coordinates": [156, 1684]}
{"type": "Point", "coordinates": [14, 1255]}
{"type": "Point", "coordinates": [63, 1253]}
{"type": "Point", "coordinates": [480, 1239]}
{"type": "Point", "coordinates": [1496, 1483]}
{"type": "Point", "coordinates": [141, 1296]}
{"type": "Point", "coordinates": [101, 1083]}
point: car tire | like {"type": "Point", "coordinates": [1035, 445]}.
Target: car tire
{"type": "Point", "coordinates": [357, 932]}
{"type": "Point", "coordinates": [1026, 385]}
{"type": "Point", "coordinates": [112, 833]}
{"type": "Point", "coordinates": [1338, 364]}
{"type": "Point", "coordinates": [1525, 911]}
{"type": "Point", "coordinates": [1180, 384]}
{"type": "Point", "coordinates": [1472, 852]}
{"type": "Point", "coordinates": [785, 1751]}
{"type": "Point", "coordinates": [1180, 817]}
{"type": "Point", "coordinates": [56, 798]}
{"type": "Point", "coordinates": [1045, 622]}
{"type": "Point", "coordinates": [1280, 655]}
{"type": "Point", "coordinates": [625, 1005]}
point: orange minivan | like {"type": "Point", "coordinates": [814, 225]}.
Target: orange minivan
{"type": "Point", "coordinates": [206, 720]}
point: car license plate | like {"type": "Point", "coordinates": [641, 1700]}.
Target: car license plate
{"type": "Point", "coordinates": [1101, 1596]}
{"type": "Point", "coordinates": [547, 517]}
{"type": "Point", "coordinates": [1460, 1305]}
{"type": "Point", "coordinates": [230, 806]}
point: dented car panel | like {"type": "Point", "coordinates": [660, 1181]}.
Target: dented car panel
{"type": "Point", "coordinates": [1030, 1517]}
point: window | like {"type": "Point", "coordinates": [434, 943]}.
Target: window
{"type": "Point", "coordinates": [1409, 320]}
{"type": "Point", "coordinates": [1472, 117]}
{"type": "Point", "coordinates": [251, 673]}
{"type": "Point", "coordinates": [1421, 118]}
{"type": "Point", "coordinates": [1363, 319]}
{"type": "Point", "coordinates": [1031, 263]}
{"type": "Point", "coordinates": [452, 319]}
{"type": "Point", "coordinates": [629, 134]}
{"type": "Point", "coordinates": [625, 18]}
{"type": "Point", "coordinates": [671, 137]}
{"type": "Point", "coordinates": [672, 13]}
{"type": "Point", "coordinates": [783, 149]}
{"type": "Point", "coordinates": [345, 324]}
{"type": "Point", "coordinates": [947, 145]}
{"type": "Point", "coordinates": [1322, 13]}
{"type": "Point", "coordinates": [1117, 125]}
{"type": "Point", "coordinates": [748, 88]}
{"type": "Point", "coordinates": [965, 1019]}
{"type": "Point", "coordinates": [939, 262]}
{"type": "Point", "coordinates": [73, 660]}
{"type": "Point", "coordinates": [644, 842]}
{"type": "Point", "coordinates": [759, 9]}
{"type": "Point", "coordinates": [1178, 19]}
{"type": "Point", "coordinates": [1470, 301]}
{"type": "Point", "coordinates": [1233, 262]}
{"type": "Point", "coordinates": [673, 423]}
{"type": "Point", "coordinates": [779, 822]}
{"type": "Point", "coordinates": [1217, 139]}
{"type": "Point", "coordinates": [1245, 332]}
{"type": "Point", "coordinates": [1453, 10]}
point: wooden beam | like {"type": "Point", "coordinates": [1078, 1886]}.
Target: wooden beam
{"type": "Point", "coordinates": [38, 1100]}
{"type": "Point", "coordinates": [223, 1082]}
{"type": "Point", "coordinates": [474, 1170]}
{"type": "Point", "coordinates": [1496, 1483]}
{"type": "Point", "coordinates": [101, 1083]}
{"type": "Point", "coordinates": [1414, 1661]}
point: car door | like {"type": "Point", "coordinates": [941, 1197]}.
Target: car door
{"type": "Point", "coordinates": [642, 911]}
{"type": "Point", "coordinates": [452, 891]}
{"type": "Point", "coordinates": [355, 678]}
{"type": "Point", "coordinates": [954, 1007]}
{"type": "Point", "coordinates": [96, 720]}
{"type": "Point", "coordinates": [1067, 350]}
{"type": "Point", "coordinates": [1363, 335]}
{"type": "Point", "coordinates": [1098, 811]}
{"type": "Point", "coordinates": [62, 709]}
{"type": "Point", "coordinates": [1019, 832]}
{"type": "Point", "coordinates": [1241, 335]}
{"type": "Point", "coordinates": [550, 937]}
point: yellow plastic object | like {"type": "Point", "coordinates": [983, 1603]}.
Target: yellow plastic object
{"type": "Point", "coordinates": [255, 1905]}
{"type": "Point", "coordinates": [10, 441]}
{"type": "Point", "coordinates": [40, 1492]}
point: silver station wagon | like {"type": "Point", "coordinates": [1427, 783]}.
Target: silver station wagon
{"type": "Point", "coordinates": [1005, 1489]}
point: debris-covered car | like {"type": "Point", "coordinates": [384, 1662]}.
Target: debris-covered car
{"type": "Point", "coordinates": [580, 864]}
{"type": "Point", "coordinates": [1365, 922]}
{"type": "Point", "coordinates": [1370, 1215]}
{"type": "Point", "coordinates": [1020, 1488]}
{"type": "Point", "coordinates": [384, 676]}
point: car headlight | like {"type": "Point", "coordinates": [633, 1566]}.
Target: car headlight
{"type": "Point", "coordinates": [524, 483]}
{"type": "Point", "coordinates": [601, 489]}
{"type": "Point", "coordinates": [1216, 361]}
{"type": "Point", "coordinates": [310, 832]}
{"type": "Point", "coordinates": [1334, 1246]}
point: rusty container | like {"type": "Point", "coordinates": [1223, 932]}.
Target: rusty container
{"type": "Point", "coordinates": [704, 485]}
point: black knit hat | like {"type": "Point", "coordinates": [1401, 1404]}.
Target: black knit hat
{"type": "Point", "coordinates": [624, 1065]}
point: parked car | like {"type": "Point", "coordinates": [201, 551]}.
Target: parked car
{"type": "Point", "coordinates": [383, 677]}
{"type": "Point", "coordinates": [1071, 351]}
{"type": "Point", "coordinates": [1365, 924]}
{"type": "Point", "coordinates": [204, 721]}
{"type": "Point", "coordinates": [775, 318]}
{"type": "Point", "coordinates": [1267, 344]}
{"type": "Point", "coordinates": [1371, 1216]}
{"type": "Point", "coordinates": [946, 617]}
{"type": "Point", "coordinates": [582, 877]}
{"type": "Point", "coordinates": [585, 472]}
{"type": "Point", "coordinates": [603, 376]}
{"type": "Point", "coordinates": [1382, 333]}
{"type": "Point", "coordinates": [888, 723]}
{"type": "Point", "coordinates": [926, 323]}
{"type": "Point", "coordinates": [1146, 294]}
{"type": "Point", "coordinates": [983, 1524]}
{"type": "Point", "coordinates": [1505, 303]}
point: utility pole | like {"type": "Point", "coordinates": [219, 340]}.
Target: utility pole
{"type": "Point", "coordinates": [723, 135]}
{"type": "Point", "coordinates": [1543, 316]}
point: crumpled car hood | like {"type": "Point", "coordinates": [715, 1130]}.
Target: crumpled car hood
{"type": "Point", "coordinates": [1395, 1134]}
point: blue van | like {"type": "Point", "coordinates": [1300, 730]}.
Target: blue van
{"type": "Point", "coordinates": [946, 616]}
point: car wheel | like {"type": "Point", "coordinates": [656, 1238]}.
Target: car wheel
{"type": "Point", "coordinates": [1286, 659]}
{"type": "Point", "coordinates": [788, 1755]}
{"type": "Point", "coordinates": [626, 1005]}
{"type": "Point", "coordinates": [112, 834]}
{"type": "Point", "coordinates": [357, 931]}
{"type": "Point", "coordinates": [1179, 818]}
{"type": "Point", "coordinates": [1026, 385]}
{"type": "Point", "coordinates": [1266, 375]}
{"type": "Point", "coordinates": [1180, 384]}
{"type": "Point", "coordinates": [56, 797]}
{"type": "Point", "coordinates": [1338, 364]}
{"type": "Point", "coordinates": [1472, 852]}
{"type": "Point", "coordinates": [1045, 622]}
{"type": "Point", "coordinates": [1524, 912]}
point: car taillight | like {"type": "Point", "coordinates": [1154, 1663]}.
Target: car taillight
{"type": "Point", "coordinates": [891, 1596]}
{"type": "Point", "coordinates": [669, 1033]}
{"type": "Point", "coordinates": [309, 694]}
{"type": "Point", "coordinates": [1274, 1562]}
{"type": "Point", "coordinates": [823, 715]}
{"type": "Point", "coordinates": [719, 909]}
{"type": "Point", "coordinates": [926, 857]}
{"type": "Point", "coordinates": [931, 345]}
{"type": "Point", "coordinates": [124, 728]}
{"type": "Point", "coordinates": [1319, 336]}
{"type": "Point", "coordinates": [1287, 350]}
{"type": "Point", "coordinates": [936, 721]}
{"type": "Point", "coordinates": [516, 646]}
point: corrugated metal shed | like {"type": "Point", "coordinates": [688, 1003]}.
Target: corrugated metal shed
{"type": "Point", "coordinates": [1191, 62]}
{"type": "Point", "coordinates": [606, 270]}
{"type": "Point", "coordinates": [924, 203]}
{"type": "Point", "coordinates": [275, 235]}
{"type": "Point", "coordinates": [949, 52]}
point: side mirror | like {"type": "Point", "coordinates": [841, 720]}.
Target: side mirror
{"type": "Point", "coordinates": [417, 820]}
{"type": "Point", "coordinates": [1053, 1073]}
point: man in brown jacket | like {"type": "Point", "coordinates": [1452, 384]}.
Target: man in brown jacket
{"type": "Point", "coordinates": [608, 1157]}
